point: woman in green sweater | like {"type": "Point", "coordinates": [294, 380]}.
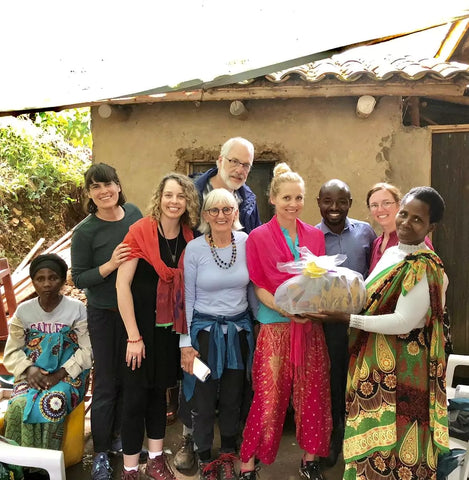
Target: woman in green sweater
{"type": "Point", "coordinates": [97, 251]}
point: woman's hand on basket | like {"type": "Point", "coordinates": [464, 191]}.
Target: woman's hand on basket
{"type": "Point", "coordinates": [329, 317]}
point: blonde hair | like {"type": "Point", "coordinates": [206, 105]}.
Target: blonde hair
{"type": "Point", "coordinates": [191, 216]}
{"type": "Point", "coordinates": [215, 197]}
{"type": "Point", "coordinates": [283, 174]}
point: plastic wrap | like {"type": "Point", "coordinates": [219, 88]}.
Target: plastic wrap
{"type": "Point", "coordinates": [320, 284]}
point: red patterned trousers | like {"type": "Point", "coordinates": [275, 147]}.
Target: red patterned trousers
{"type": "Point", "coordinates": [274, 381]}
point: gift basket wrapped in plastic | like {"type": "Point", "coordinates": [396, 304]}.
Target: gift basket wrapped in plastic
{"type": "Point", "coordinates": [320, 283]}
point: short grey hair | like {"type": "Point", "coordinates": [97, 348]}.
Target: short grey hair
{"type": "Point", "coordinates": [215, 197]}
{"type": "Point", "coordinates": [226, 147]}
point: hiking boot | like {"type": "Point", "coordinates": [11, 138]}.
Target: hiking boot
{"type": "Point", "coordinates": [226, 469]}
{"type": "Point", "coordinates": [101, 470]}
{"type": "Point", "coordinates": [129, 475]}
{"type": "Point", "coordinates": [311, 470]}
{"type": "Point", "coordinates": [185, 456]}
{"type": "Point", "coordinates": [159, 469]}
{"type": "Point", "coordinates": [208, 470]}
{"type": "Point", "coordinates": [252, 475]}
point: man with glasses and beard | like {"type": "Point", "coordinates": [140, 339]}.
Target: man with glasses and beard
{"type": "Point", "coordinates": [231, 172]}
{"type": "Point", "coordinates": [233, 166]}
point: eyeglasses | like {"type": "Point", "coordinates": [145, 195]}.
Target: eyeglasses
{"type": "Point", "coordinates": [386, 205]}
{"type": "Point", "coordinates": [235, 163]}
{"type": "Point", "coordinates": [213, 212]}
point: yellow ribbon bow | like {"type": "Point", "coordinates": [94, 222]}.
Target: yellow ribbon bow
{"type": "Point", "coordinates": [313, 271]}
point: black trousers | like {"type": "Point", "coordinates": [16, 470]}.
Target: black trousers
{"type": "Point", "coordinates": [107, 334]}
{"type": "Point", "coordinates": [184, 409]}
{"type": "Point", "coordinates": [337, 346]}
{"type": "Point", "coordinates": [226, 394]}
{"type": "Point", "coordinates": [144, 409]}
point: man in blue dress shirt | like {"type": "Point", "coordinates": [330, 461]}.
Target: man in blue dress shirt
{"type": "Point", "coordinates": [353, 238]}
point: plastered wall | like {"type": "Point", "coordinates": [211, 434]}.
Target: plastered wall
{"type": "Point", "coordinates": [320, 138]}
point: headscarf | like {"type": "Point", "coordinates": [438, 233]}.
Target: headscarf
{"type": "Point", "coordinates": [49, 260]}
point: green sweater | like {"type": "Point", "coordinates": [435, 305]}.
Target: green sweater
{"type": "Point", "coordinates": [93, 242]}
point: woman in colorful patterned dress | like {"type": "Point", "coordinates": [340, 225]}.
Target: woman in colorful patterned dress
{"type": "Point", "coordinates": [396, 421]}
{"type": "Point", "coordinates": [49, 353]}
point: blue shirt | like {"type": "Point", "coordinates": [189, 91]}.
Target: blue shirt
{"type": "Point", "coordinates": [355, 241]}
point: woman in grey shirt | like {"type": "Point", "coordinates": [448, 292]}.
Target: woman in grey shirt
{"type": "Point", "coordinates": [220, 330]}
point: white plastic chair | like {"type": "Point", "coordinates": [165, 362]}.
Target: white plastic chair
{"type": "Point", "coordinates": [462, 472]}
{"type": "Point", "coordinates": [50, 460]}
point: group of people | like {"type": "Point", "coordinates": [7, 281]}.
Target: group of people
{"type": "Point", "coordinates": [190, 280]}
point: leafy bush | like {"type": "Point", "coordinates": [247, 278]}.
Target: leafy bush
{"type": "Point", "coordinates": [42, 161]}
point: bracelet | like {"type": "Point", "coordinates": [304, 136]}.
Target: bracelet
{"type": "Point", "coordinates": [139, 339]}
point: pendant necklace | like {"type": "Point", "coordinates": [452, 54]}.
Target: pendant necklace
{"type": "Point", "coordinates": [218, 260]}
{"type": "Point", "coordinates": [173, 255]}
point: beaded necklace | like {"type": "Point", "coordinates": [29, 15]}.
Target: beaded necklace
{"type": "Point", "coordinates": [218, 260]}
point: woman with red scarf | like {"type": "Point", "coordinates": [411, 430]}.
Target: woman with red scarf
{"type": "Point", "coordinates": [149, 282]}
{"type": "Point", "coordinates": [291, 353]}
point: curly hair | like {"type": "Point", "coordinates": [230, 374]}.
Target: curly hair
{"type": "Point", "coordinates": [191, 216]}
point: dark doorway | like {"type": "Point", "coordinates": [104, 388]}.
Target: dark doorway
{"type": "Point", "coordinates": [450, 176]}
{"type": "Point", "coordinates": [258, 180]}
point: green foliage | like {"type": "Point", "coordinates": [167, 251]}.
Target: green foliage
{"type": "Point", "coordinates": [42, 161]}
{"type": "Point", "coordinates": [73, 125]}
{"type": "Point", "coordinates": [39, 159]}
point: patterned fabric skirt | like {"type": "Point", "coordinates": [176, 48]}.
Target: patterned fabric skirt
{"type": "Point", "coordinates": [35, 418]}
{"type": "Point", "coordinates": [396, 398]}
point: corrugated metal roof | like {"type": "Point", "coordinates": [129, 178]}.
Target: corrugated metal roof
{"type": "Point", "coordinates": [172, 47]}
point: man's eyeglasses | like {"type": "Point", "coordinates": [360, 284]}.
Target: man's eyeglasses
{"type": "Point", "coordinates": [375, 206]}
{"type": "Point", "coordinates": [213, 212]}
{"type": "Point", "coordinates": [235, 163]}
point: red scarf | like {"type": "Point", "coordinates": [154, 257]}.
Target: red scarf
{"type": "Point", "coordinates": [143, 240]}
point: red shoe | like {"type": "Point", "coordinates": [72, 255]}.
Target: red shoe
{"type": "Point", "coordinates": [159, 469]}
{"type": "Point", "coordinates": [208, 470]}
{"type": "Point", "coordinates": [129, 475]}
{"type": "Point", "coordinates": [226, 469]}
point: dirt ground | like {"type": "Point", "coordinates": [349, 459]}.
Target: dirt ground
{"type": "Point", "coordinates": [285, 466]}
